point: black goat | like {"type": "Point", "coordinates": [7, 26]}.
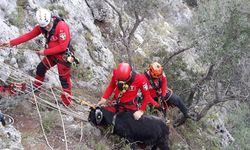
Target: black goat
{"type": "Point", "coordinates": [149, 130]}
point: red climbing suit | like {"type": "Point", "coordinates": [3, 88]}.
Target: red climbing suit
{"type": "Point", "coordinates": [162, 89]}
{"type": "Point", "coordinates": [57, 45]}
{"type": "Point", "coordinates": [138, 84]}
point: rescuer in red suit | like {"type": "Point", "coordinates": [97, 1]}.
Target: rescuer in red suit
{"type": "Point", "coordinates": [125, 84]}
{"type": "Point", "coordinates": [57, 35]}
{"type": "Point", "coordinates": [157, 81]}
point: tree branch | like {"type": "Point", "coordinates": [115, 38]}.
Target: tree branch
{"type": "Point", "coordinates": [92, 13]}
{"type": "Point", "coordinates": [119, 16]}
{"type": "Point", "coordinates": [136, 24]}
{"type": "Point", "coordinates": [209, 106]}
{"type": "Point", "coordinates": [199, 83]}
{"type": "Point", "coordinates": [219, 98]}
{"type": "Point", "coordinates": [167, 60]}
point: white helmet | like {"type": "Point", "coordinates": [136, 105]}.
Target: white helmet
{"type": "Point", "coordinates": [43, 17]}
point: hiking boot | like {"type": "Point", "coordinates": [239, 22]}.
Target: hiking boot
{"type": "Point", "coordinates": [186, 115]}
{"type": "Point", "coordinates": [181, 119]}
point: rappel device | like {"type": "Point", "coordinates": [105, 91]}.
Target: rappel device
{"type": "Point", "coordinates": [70, 57]}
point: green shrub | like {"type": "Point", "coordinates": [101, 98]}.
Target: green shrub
{"type": "Point", "coordinates": [22, 3]}
{"type": "Point", "coordinates": [17, 18]}
{"type": "Point", "coordinates": [49, 121]}
{"type": "Point", "coordinates": [101, 146]}
{"type": "Point", "coordinates": [238, 125]}
{"type": "Point", "coordinates": [61, 10]}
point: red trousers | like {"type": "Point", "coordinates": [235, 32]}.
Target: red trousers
{"type": "Point", "coordinates": [64, 74]}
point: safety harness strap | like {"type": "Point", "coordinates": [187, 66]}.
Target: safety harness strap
{"type": "Point", "coordinates": [49, 34]}
{"type": "Point", "coordinates": [118, 102]}
{"type": "Point", "coordinates": [151, 80]}
{"type": "Point", "coordinates": [157, 88]}
{"type": "Point", "coordinates": [68, 52]}
{"type": "Point", "coordinates": [63, 63]}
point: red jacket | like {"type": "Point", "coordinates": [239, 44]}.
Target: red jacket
{"type": "Point", "coordinates": [162, 89]}
{"type": "Point", "coordinates": [58, 42]}
{"type": "Point", "coordinates": [130, 94]}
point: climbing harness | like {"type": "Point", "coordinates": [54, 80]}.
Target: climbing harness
{"type": "Point", "coordinates": [68, 56]}
{"type": "Point", "coordinates": [161, 100]}
{"type": "Point", "coordinates": [171, 93]}
{"type": "Point", "coordinates": [156, 87]}
{"type": "Point", "coordinates": [152, 83]}
{"type": "Point", "coordinates": [124, 86]}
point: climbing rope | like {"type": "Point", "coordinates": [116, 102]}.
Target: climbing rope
{"type": "Point", "coordinates": [18, 76]}
{"type": "Point", "coordinates": [81, 125]}
{"type": "Point", "coordinates": [80, 101]}
{"type": "Point", "coordinates": [64, 133]}
{"type": "Point", "coordinates": [42, 95]}
{"type": "Point", "coordinates": [41, 121]}
{"type": "Point", "coordinates": [45, 92]}
{"type": "Point", "coordinates": [171, 93]}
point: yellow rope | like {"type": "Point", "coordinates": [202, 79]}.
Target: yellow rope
{"type": "Point", "coordinates": [83, 102]}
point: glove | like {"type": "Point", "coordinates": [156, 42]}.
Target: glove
{"type": "Point", "coordinates": [102, 102]}
{"type": "Point", "coordinates": [138, 114]}
{"type": "Point", "coordinates": [5, 44]}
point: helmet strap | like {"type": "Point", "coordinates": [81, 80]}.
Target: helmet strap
{"type": "Point", "coordinates": [51, 23]}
